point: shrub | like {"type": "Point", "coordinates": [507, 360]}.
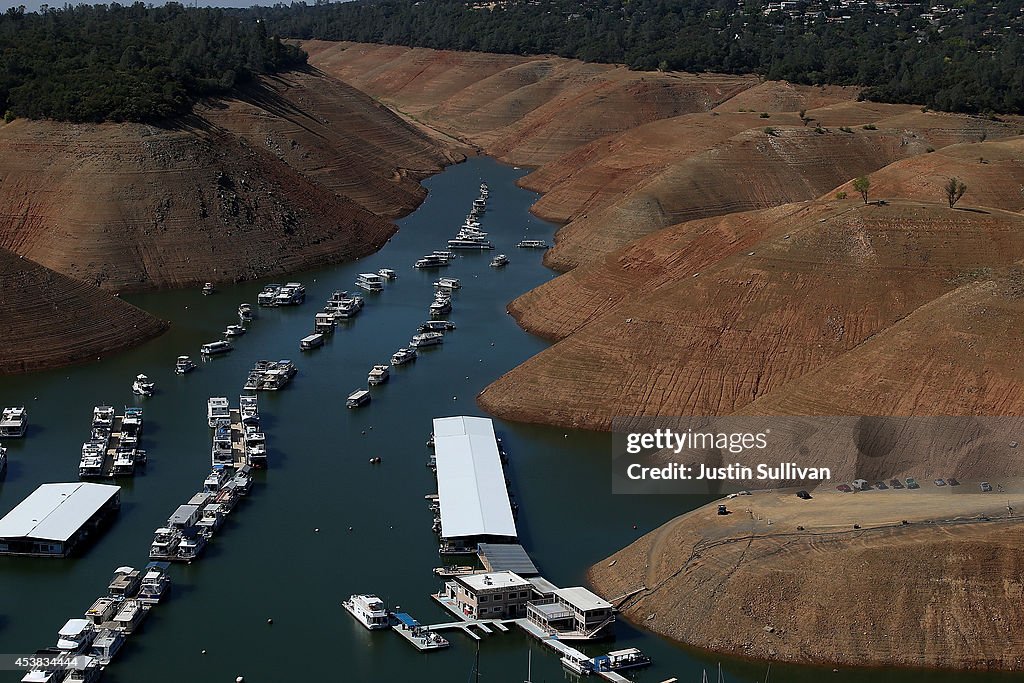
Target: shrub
{"type": "Point", "coordinates": [764, 115]}
{"type": "Point", "coordinates": [771, 131]}
{"type": "Point", "coordinates": [869, 126]}
{"type": "Point", "coordinates": [840, 195]}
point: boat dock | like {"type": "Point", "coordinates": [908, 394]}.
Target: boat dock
{"type": "Point", "coordinates": [422, 638]}
{"type": "Point", "coordinates": [237, 439]}
{"type": "Point", "coordinates": [113, 446]}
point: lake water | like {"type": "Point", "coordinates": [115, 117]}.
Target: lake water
{"type": "Point", "coordinates": [268, 562]}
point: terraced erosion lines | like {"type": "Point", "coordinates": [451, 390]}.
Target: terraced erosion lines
{"type": "Point", "coordinates": [49, 319]}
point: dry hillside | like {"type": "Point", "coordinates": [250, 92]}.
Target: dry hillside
{"type": "Point", "coordinates": [48, 319]}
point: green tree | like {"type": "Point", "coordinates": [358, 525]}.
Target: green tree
{"type": "Point", "coordinates": [954, 190]}
{"type": "Point", "coordinates": [862, 185]}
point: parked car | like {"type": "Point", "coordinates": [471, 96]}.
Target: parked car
{"type": "Point", "coordinates": [861, 485]}
{"type": "Point", "coordinates": [803, 494]}
{"type": "Point", "coordinates": [880, 485]}
{"type": "Point", "coordinates": [722, 510]}
{"type": "Point", "coordinates": [985, 486]}
{"type": "Point", "coordinates": [845, 488]}
{"type": "Point", "coordinates": [912, 484]}
{"type": "Point", "coordinates": [896, 483]}
{"type": "Point", "coordinates": [952, 482]}
{"type": "Point", "coordinates": [940, 482]}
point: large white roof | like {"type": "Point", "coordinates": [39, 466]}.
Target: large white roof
{"type": "Point", "coordinates": [582, 598]}
{"type": "Point", "coordinates": [54, 512]}
{"type": "Point", "coordinates": [470, 479]}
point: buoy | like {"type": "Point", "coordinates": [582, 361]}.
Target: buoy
{"type": "Point", "coordinates": [240, 679]}
{"type": "Point", "coordinates": [203, 652]}
{"type": "Point", "coordinates": [364, 432]}
{"type": "Point", "coordinates": [270, 621]}
{"type": "Point", "coordinates": [350, 528]}
{"type": "Point", "coordinates": [316, 530]}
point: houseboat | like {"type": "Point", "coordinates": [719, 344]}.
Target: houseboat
{"type": "Point", "coordinates": [403, 356]}
{"type": "Point", "coordinates": [440, 306]}
{"type": "Point", "coordinates": [249, 410]}
{"type": "Point", "coordinates": [358, 398]}
{"type": "Point", "coordinates": [130, 617]}
{"type": "Point", "coordinates": [369, 611]}
{"type": "Point", "coordinates": [371, 282]}
{"type": "Point", "coordinates": [448, 283]}
{"type": "Point", "coordinates": [126, 458]}
{"type": "Point", "coordinates": [208, 288]}
{"type": "Point", "coordinates": [106, 645]}
{"type": "Point", "coordinates": [436, 326]}
{"type": "Point", "coordinates": [432, 261]}
{"type": "Point", "coordinates": [499, 261]}
{"type": "Point", "coordinates": [469, 243]}
{"type": "Point", "coordinates": [217, 409]}
{"type": "Point", "coordinates": [234, 331]}
{"type": "Point", "coordinates": [313, 341]}
{"type": "Point", "coordinates": [13, 423]}
{"type": "Point", "coordinates": [427, 339]}
{"type": "Point", "coordinates": [629, 658]}
{"type": "Point", "coordinates": [255, 449]}
{"type": "Point", "coordinates": [387, 274]}
{"type": "Point", "coordinates": [221, 455]}
{"type": "Point", "coordinates": [125, 583]}
{"type": "Point", "coordinates": [291, 294]}
{"type": "Point", "coordinates": [75, 637]}
{"type": "Point", "coordinates": [216, 348]}
{"type": "Point", "coordinates": [378, 375]}
{"type": "Point", "coordinates": [155, 583]}
{"type": "Point", "coordinates": [184, 365]}
{"type": "Point", "coordinates": [245, 312]}
{"type": "Point", "coordinates": [268, 297]}
{"type": "Point", "coordinates": [143, 386]}
{"type": "Point", "coordinates": [324, 322]}
{"type": "Point", "coordinates": [90, 465]}
{"type": "Point", "coordinates": [103, 417]}
{"type": "Point", "coordinates": [533, 244]}
{"type": "Point", "coordinates": [191, 547]}
{"type": "Point", "coordinates": [480, 205]}
{"type": "Point", "coordinates": [578, 664]}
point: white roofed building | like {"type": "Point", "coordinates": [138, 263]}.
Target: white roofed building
{"type": "Point", "coordinates": [471, 489]}
{"type": "Point", "coordinates": [56, 518]}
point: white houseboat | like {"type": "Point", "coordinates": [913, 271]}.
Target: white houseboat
{"type": "Point", "coordinates": [499, 261]}
{"type": "Point", "coordinates": [268, 297]}
{"type": "Point", "coordinates": [369, 611]}
{"type": "Point", "coordinates": [371, 282]}
{"type": "Point", "coordinates": [358, 398]}
{"type": "Point", "coordinates": [378, 375]}
{"type": "Point", "coordinates": [143, 386]}
{"type": "Point", "coordinates": [208, 288]}
{"type": "Point", "coordinates": [184, 365]}
{"type": "Point", "coordinates": [245, 312]}
{"type": "Point", "coordinates": [533, 244]}
{"type": "Point", "coordinates": [216, 348]}
{"type": "Point", "coordinates": [387, 274]}
{"type": "Point", "coordinates": [234, 331]}
{"type": "Point", "coordinates": [427, 339]}
{"type": "Point", "coordinates": [155, 583]}
{"type": "Point", "coordinates": [448, 283]}
{"type": "Point", "coordinates": [313, 341]}
{"type": "Point", "coordinates": [403, 356]}
{"type": "Point", "coordinates": [217, 409]}
{"type": "Point", "coordinates": [14, 422]}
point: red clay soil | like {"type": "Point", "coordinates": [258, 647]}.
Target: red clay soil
{"type": "Point", "coordinates": [708, 339]}
{"type": "Point", "coordinates": [49, 320]}
{"type": "Point", "coordinates": [523, 110]}
{"type": "Point", "coordinates": [923, 595]}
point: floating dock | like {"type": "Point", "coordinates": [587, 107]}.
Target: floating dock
{"type": "Point", "coordinates": [422, 638]}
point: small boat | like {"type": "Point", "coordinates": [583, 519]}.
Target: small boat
{"type": "Point", "coordinates": [403, 356]}
{"type": "Point", "coordinates": [436, 326]}
{"type": "Point", "coordinates": [313, 341]}
{"type": "Point", "coordinates": [245, 312]}
{"type": "Point", "coordinates": [427, 339]}
{"type": "Point", "coordinates": [143, 386]}
{"type": "Point", "coordinates": [234, 331]}
{"type": "Point", "coordinates": [358, 398]}
{"type": "Point", "coordinates": [378, 375]}
{"type": "Point", "coordinates": [533, 244]}
{"type": "Point", "coordinates": [448, 283]}
{"type": "Point", "coordinates": [155, 583]}
{"type": "Point", "coordinates": [216, 348]}
{"type": "Point", "coordinates": [268, 297]}
{"type": "Point", "coordinates": [13, 422]}
{"type": "Point", "coordinates": [499, 261]}
{"type": "Point", "coordinates": [216, 410]}
{"type": "Point", "coordinates": [369, 611]}
{"type": "Point", "coordinates": [208, 288]}
{"type": "Point", "coordinates": [184, 365]}
{"type": "Point", "coordinates": [387, 274]}
{"type": "Point", "coordinates": [371, 282]}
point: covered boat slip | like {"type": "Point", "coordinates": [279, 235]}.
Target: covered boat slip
{"type": "Point", "coordinates": [471, 482]}
{"type": "Point", "coordinates": [56, 517]}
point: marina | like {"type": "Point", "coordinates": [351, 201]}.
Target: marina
{"type": "Point", "coordinates": [396, 549]}
{"type": "Point", "coordinates": [112, 449]}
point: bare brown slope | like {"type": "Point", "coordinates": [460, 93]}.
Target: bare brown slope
{"type": "Point", "coordinates": [992, 170]}
{"type": "Point", "coordinates": [758, 319]}
{"type": "Point", "coordinates": [930, 595]}
{"type": "Point", "coordinates": [525, 110]}
{"type": "Point", "coordinates": [49, 320]}
{"type": "Point", "coordinates": [958, 355]}
{"type": "Point", "coordinates": [297, 175]}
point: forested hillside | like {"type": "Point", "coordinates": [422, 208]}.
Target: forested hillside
{"type": "Point", "coordinates": [956, 55]}
{"type": "Point", "coordinates": [128, 63]}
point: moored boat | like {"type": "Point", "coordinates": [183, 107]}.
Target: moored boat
{"type": "Point", "coordinates": [184, 365]}
{"type": "Point", "coordinates": [313, 341]}
{"type": "Point", "coordinates": [368, 610]}
{"type": "Point", "coordinates": [436, 326]}
{"type": "Point", "coordinates": [234, 331]}
{"type": "Point", "coordinates": [245, 312]}
{"type": "Point", "coordinates": [371, 282]}
{"type": "Point", "coordinates": [403, 356]}
{"type": "Point", "coordinates": [13, 422]}
{"type": "Point", "coordinates": [216, 348]}
{"type": "Point", "coordinates": [217, 409]}
{"type": "Point", "coordinates": [358, 398]}
{"type": "Point", "coordinates": [143, 386]}
{"type": "Point", "coordinates": [155, 583]}
{"type": "Point", "coordinates": [378, 375]}
{"type": "Point", "coordinates": [533, 244]}
{"type": "Point", "coordinates": [387, 274]}
{"type": "Point", "coordinates": [499, 261]}
{"type": "Point", "coordinates": [208, 288]}
{"type": "Point", "coordinates": [427, 339]}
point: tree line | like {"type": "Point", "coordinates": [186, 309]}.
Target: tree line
{"type": "Point", "coordinates": [129, 63]}
{"type": "Point", "coordinates": [970, 62]}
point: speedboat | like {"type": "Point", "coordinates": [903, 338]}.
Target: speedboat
{"type": "Point", "coordinates": [143, 386]}
{"type": "Point", "coordinates": [184, 365]}
{"type": "Point", "coordinates": [403, 356]}
{"type": "Point", "coordinates": [234, 331]}
{"type": "Point", "coordinates": [378, 375]}
{"type": "Point", "coordinates": [369, 611]}
{"type": "Point", "coordinates": [387, 274]}
{"type": "Point", "coordinates": [499, 261]}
